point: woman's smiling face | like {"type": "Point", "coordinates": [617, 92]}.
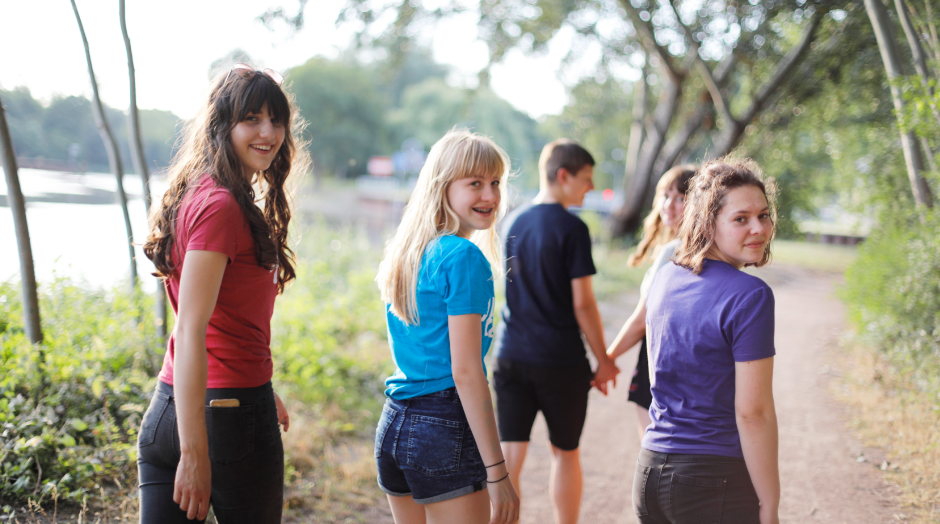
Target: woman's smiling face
{"type": "Point", "coordinates": [475, 200]}
{"type": "Point", "coordinates": [743, 227]}
{"type": "Point", "coordinates": [256, 140]}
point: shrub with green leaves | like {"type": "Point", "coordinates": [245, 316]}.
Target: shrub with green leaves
{"type": "Point", "coordinates": [70, 408]}
{"type": "Point", "coordinates": [893, 292]}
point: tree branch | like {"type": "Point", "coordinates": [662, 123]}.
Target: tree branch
{"type": "Point", "coordinates": [783, 69]}
{"type": "Point", "coordinates": [646, 33]}
{"type": "Point", "coordinates": [717, 97]}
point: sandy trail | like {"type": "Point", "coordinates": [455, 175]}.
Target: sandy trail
{"type": "Point", "coordinates": [820, 476]}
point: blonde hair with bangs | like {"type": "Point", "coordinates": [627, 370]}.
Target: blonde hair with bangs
{"type": "Point", "coordinates": [459, 154]}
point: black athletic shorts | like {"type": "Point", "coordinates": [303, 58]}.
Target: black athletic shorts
{"type": "Point", "coordinates": [640, 385]}
{"type": "Point", "coordinates": [561, 393]}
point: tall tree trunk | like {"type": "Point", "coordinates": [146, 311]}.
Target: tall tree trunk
{"type": "Point", "coordinates": [18, 206]}
{"type": "Point", "coordinates": [140, 162]}
{"type": "Point", "coordinates": [114, 157]}
{"type": "Point", "coordinates": [892, 62]}
{"type": "Point", "coordinates": [627, 219]}
{"type": "Point", "coordinates": [637, 132]}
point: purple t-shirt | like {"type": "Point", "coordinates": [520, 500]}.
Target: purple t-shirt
{"type": "Point", "coordinates": [698, 326]}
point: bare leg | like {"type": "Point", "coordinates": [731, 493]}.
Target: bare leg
{"type": "Point", "coordinates": [406, 511]}
{"type": "Point", "coordinates": [642, 419]}
{"type": "Point", "coordinates": [515, 452]}
{"type": "Point", "coordinates": [566, 485]}
{"type": "Point", "coordinates": [468, 509]}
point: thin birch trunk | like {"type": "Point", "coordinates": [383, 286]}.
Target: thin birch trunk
{"type": "Point", "coordinates": [892, 62]}
{"type": "Point", "coordinates": [114, 157]}
{"type": "Point", "coordinates": [140, 163]}
{"type": "Point", "coordinates": [18, 206]}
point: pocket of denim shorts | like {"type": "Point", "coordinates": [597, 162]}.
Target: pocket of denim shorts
{"type": "Point", "coordinates": [640, 479]}
{"type": "Point", "coordinates": [151, 420]}
{"type": "Point", "coordinates": [231, 433]}
{"type": "Point", "coordinates": [434, 445]}
{"type": "Point", "coordinates": [385, 422]}
{"type": "Point", "coordinates": [697, 500]}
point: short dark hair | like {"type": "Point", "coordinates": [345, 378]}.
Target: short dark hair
{"type": "Point", "coordinates": [565, 154]}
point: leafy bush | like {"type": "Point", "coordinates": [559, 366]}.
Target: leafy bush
{"type": "Point", "coordinates": [893, 292]}
{"type": "Point", "coordinates": [70, 408]}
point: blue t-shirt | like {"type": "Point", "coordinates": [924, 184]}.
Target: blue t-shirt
{"type": "Point", "coordinates": [697, 327]}
{"type": "Point", "coordinates": [455, 279]}
{"type": "Point", "coordinates": [546, 248]}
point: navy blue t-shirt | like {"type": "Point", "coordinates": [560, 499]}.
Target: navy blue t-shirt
{"type": "Point", "coordinates": [546, 248]}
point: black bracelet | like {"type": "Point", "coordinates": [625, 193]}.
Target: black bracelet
{"type": "Point", "coordinates": [497, 464]}
{"type": "Point", "coordinates": [495, 481]}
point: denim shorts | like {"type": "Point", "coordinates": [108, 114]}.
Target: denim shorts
{"type": "Point", "coordinates": [424, 448]}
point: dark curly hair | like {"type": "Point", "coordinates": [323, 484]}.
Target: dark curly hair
{"type": "Point", "coordinates": [205, 148]}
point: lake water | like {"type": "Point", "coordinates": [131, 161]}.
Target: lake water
{"type": "Point", "coordinates": [77, 228]}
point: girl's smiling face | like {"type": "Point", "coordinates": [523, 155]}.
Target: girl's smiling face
{"type": "Point", "coordinates": [475, 200]}
{"type": "Point", "coordinates": [673, 204]}
{"type": "Point", "coordinates": [256, 140]}
{"type": "Point", "coordinates": [742, 228]}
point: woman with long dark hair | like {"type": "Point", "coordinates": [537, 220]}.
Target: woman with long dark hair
{"type": "Point", "coordinates": [219, 240]}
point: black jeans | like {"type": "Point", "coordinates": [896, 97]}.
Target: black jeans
{"type": "Point", "coordinates": [693, 489]}
{"type": "Point", "coordinates": [245, 450]}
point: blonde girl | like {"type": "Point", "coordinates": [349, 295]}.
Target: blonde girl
{"type": "Point", "coordinates": [436, 445]}
{"type": "Point", "coordinates": [659, 243]}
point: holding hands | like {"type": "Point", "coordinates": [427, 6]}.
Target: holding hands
{"type": "Point", "coordinates": [606, 372]}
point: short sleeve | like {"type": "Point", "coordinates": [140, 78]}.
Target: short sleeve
{"type": "Point", "coordinates": [215, 224]}
{"type": "Point", "coordinates": [469, 281]}
{"type": "Point", "coordinates": [751, 327]}
{"type": "Point", "coordinates": [578, 259]}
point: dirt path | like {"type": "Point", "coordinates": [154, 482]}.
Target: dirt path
{"type": "Point", "coordinates": [822, 481]}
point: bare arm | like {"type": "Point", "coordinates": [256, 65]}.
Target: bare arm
{"type": "Point", "coordinates": [589, 320]}
{"type": "Point", "coordinates": [633, 330]}
{"type": "Point", "coordinates": [199, 289]}
{"type": "Point", "coordinates": [757, 425]}
{"type": "Point", "coordinates": [474, 392]}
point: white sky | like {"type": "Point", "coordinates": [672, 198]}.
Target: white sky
{"type": "Point", "coordinates": [175, 41]}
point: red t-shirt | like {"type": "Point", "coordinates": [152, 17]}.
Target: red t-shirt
{"type": "Point", "coordinates": [238, 338]}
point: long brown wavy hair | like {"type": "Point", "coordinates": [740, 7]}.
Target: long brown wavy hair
{"type": "Point", "coordinates": [704, 201]}
{"type": "Point", "coordinates": [655, 233]}
{"type": "Point", "coordinates": [205, 148]}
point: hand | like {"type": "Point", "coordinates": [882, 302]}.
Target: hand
{"type": "Point", "coordinates": [283, 417]}
{"type": "Point", "coordinates": [193, 484]}
{"type": "Point", "coordinates": [606, 371]}
{"type": "Point", "coordinates": [504, 501]}
{"type": "Point", "coordinates": [768, 515]}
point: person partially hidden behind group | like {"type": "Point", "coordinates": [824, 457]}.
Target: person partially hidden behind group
{"type": "Point", "coordinates": [659, 244]}
{"type": "Point", "coordinates": [710, 452]}
{"type": "Point", "coordinates": [211, 435]}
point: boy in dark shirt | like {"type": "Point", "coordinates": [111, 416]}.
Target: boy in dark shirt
{"type": "Point", "coordinates": [541, 362]}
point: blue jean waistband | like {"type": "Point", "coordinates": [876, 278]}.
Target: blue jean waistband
{"type": "Point", "coordinates": [448, 395]}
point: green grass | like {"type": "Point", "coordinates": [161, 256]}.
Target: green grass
{"type": "Point", "coordinates": [823, 257]}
